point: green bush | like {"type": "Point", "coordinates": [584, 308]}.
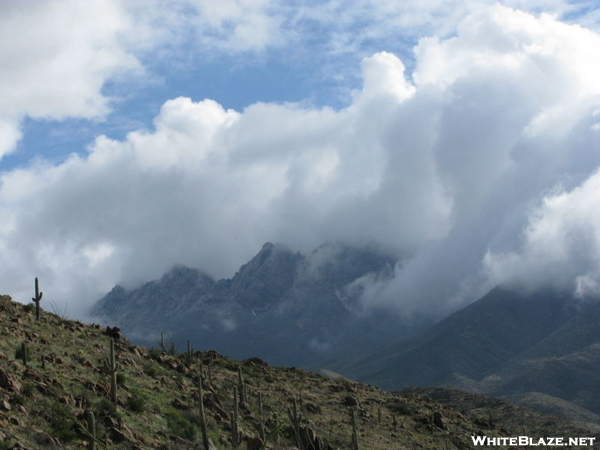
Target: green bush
{"type": "Point", "coordinates": [29, 307]}
{"type": "Point", "coordinates": [400, 408]}
{"type": "Point", "coordinates": [18, 399]}
{"type": "Point", "coordinates": [136, 403]}
{"type": "Point", "coordinates": [154, 353]}
{"type": "Point", "coordinates": [28, 389]}
{"type": "Point", "coordinates": [150, 368]}
{"type": "Point", "coordinates": [178, 425]}
{"type": "Point", "coordinates": [106, 408]}
{"type": "Point", "coordinates": [62, 422]}
{"type": "Point", "coordinates": [19, 352]}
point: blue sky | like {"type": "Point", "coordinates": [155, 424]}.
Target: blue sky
{"type": "Point", "coordinates": [134, 106]}
{"type": "Point", "coordinates": [463, 135]}
{"type": "Point", "coordinates": [311, 59]}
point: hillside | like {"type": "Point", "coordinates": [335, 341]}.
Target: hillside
{"type": "Point", "coordinates": [565, 364]}
{"type": "Point", "coordinates": [45, 398]}
{"type": "Point", "coordinates": [539, 349]}
{"type": "Point", "coordinates": [464, 347]}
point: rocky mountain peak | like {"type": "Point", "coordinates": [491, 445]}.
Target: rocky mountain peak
{"type": "Point", "coordinates": [180, 280]}
{"type": "Point", "coordinates": [267, 276]}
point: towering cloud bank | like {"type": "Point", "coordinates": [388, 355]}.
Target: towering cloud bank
{"type": "Point", "coordinates": [479, 167]}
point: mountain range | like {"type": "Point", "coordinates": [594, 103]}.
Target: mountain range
{"type": "Point", "coordinates": [536, 348]}
{"type": "Point", "coordinates": [282, 306]}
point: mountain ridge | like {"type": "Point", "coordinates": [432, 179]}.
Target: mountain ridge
{"type": "Point", "coordinates": [538, 348]}
{"type": "Point", "coordinates": [299, 309]}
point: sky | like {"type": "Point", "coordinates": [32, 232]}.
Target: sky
{"type": "Point", "coordinates": [462, 135]}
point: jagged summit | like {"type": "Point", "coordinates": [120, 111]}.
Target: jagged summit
{"type": "Point", "coordinates": [296, 308]}
{"type": "Point", "coordinates": [175, 290]}
{"type": "Point", "coordinates": [266, 277]}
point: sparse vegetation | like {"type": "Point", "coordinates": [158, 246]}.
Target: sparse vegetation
{"type": "Point", "coordinates": [62, 422]}
{"type": "Point", "coordinates": [136, 403]}
{"type": "Point", "coordinates": [180, 426]}
{"type": "Point", "coordinates": [158, 404]}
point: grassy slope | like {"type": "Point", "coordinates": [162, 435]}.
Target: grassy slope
{"type": "Point", "coordinates": [472, 342]}
{"type": "Point", "coordinates": [43, 407]}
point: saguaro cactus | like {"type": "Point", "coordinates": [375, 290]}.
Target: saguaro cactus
{"type": "Point", "coordinates": [296, 418]}
{"type": "Point", "coordinates": [261, 421]}
{"type": "Point", "coordinates": [91, 429]}
{"type": "Point", "coordinates": [189, 353]}
{"type": "Point", "coordinates": [241, 385]}
{"type": "Point", "coordinates": [24, 353]}
{"type": "Point", "coordinates": [354, 431]}
{"type": "Point", "coordinates": [236, 435]}
{"type": "Point", "coordinates": [111, 367]}
{"type": "Point", "coordinates": [37, 299]}
{"type": "Point", "coordinates": [202, 415]}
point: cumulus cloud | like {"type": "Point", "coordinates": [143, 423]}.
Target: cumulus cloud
{"type": "Point", "coordinates": [55, 64]}
{"type": "Point", "coordinates": [58, 55]}
{"type": "Point", "coordinates": [517, 120]}
{"type": "Point", "coordinates": [561, 244]}
{"type": "Point", "coordinates": [455, 166]}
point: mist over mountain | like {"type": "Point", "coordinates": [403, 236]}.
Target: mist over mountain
{"type": "Point", "coordinates": [282, 306]}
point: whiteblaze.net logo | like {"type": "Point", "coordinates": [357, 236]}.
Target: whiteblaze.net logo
{"type": "Point", "coordinates": [533, 442]}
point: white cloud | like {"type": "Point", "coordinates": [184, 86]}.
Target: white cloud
{"type": "Point", "coordinates": [9, 136]}
{"type": "Point", "coordinates": [561, 244]}
{"type": "Point", "coordinates": [445, 167]}
{"type": "Point", "coordinates": [238, 24]}
{"type": "Point", "coordinates": [56, 56]}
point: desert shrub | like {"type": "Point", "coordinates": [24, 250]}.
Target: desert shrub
{"type": "Point", "coordinates": [29, 307]}
{"type": "Point", "coordinates": [136, 403]}
{"type": "Point", "coordinates": [400, 408]}
{"type": "Point", "coordinates": [154, 353]}
{"type": "Point", "coordinates": [180, 426]}
{"type": "Point", "coordinates": [191, 416]}
{"type": "Point", "coordinates": [19, 352]}
{"type": "Point", "coordinates": [18, 399]}
{"type": "Point", "coordinates": [62, 422]}
{"type": "Point", "coordinates": [28, 389]}
{"type": "Point", "coordinates": [105, 408]}
{"type": "Point", "coordinates": [121, 378]}
{"type": "Point", "coordinates": [150, 368]}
